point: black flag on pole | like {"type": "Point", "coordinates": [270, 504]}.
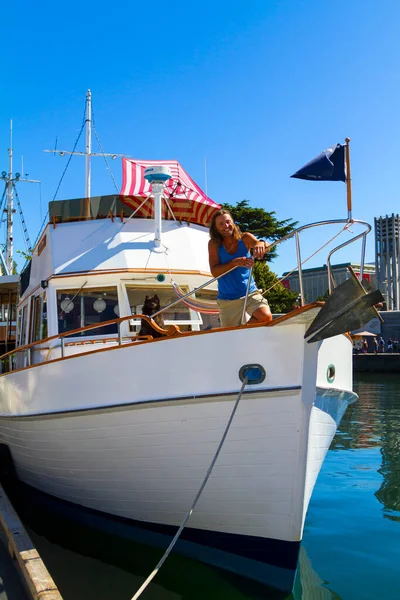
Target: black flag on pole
{"type": "Point", "coordinates": [327, 166]}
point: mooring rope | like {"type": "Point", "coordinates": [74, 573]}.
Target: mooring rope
{"type": "Point", "coordinates": [189, 513]}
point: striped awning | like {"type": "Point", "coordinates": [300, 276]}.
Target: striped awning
{"type": "Point", "coordinates": [183, 199]}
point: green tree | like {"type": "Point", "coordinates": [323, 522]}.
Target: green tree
{"type": "Point", "coordinates": [279, 298]}
{"type": "Point", "coordinates": [261, 223]}
{"type": "Point", "coordinates": [265, 225]}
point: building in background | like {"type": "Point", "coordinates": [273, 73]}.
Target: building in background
{"type": "Point", "coordinates": [315, 281]}
{"type": "Point", "coordinates": [387, 250]}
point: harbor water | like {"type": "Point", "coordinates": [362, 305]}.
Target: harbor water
{"type": "Point", "coordinates": [351, 547]}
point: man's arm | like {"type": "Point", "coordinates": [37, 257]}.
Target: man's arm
{"type": "Point", "coordinates": [259, 247]}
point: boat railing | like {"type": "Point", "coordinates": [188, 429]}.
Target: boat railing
{"type": "Point", "coordinates": [295, 234]}
{"type": "Point", "coordinates": [347, 224]}
{"type": "Point", "coordinates": [9, 358]}
{"type": "Point", "coordinates": [172, 330]}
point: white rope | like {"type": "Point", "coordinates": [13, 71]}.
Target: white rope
{"type": "Point", "coordinates": [189, 513]}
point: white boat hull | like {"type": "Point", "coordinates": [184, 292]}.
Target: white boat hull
{"type": "Point", "coordinates": [140, 445]}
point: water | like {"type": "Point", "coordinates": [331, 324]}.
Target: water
{"type": "Point", "coordinates": [351, 545]}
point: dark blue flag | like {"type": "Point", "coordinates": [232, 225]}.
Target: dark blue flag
{"type": "Point", "coordinates": [327, 166]}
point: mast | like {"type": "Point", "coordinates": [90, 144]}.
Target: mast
{"type": "Point", "coordinates": [10, 209]}
{"type": "Point", "coordinates": [88, 151]}
{"type": "Point", "coordinates": [10, 179]}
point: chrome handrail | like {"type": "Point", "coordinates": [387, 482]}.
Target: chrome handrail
{"type": "Point", "coordinates": [320, 223]}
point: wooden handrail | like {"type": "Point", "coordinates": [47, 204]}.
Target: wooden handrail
{"type": "Point", "coordinates": [170, 331]}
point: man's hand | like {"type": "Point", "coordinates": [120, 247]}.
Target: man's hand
{"type": "Point", "coordinates": [243, 261]}
{"type": "Point", "coordinates": [259, 250]}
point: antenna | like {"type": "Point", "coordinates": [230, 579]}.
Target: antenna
{"type": "Point", "coordinates": [205, 176]}
{"type": "Point", "coordinates": [88, 151]}
{"type": "Point", "coordinates": [10, 180]}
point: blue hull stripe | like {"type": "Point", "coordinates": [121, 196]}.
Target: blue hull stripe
{"type": "Point", "coordinates": [270, 562]}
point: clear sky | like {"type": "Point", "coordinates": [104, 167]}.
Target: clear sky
{"type": "Point", "coordinates": [258, 87]}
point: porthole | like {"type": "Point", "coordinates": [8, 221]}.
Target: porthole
{"type": "Point", "coordinates": [330, 373]}
{"type": "Point", "coordinates": [254, 373]}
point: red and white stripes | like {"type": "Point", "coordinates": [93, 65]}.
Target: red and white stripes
{"type": "Point", "coordinates": [186, 199]}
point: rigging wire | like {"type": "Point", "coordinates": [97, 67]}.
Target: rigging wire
{"type": "Point", "coordinates": [3, 199]}
{"type": "Point", "coordinates": [40, 200]}
{"type": "Point", "coordinates": [62, 177]}
{"type": "Point", "coordinates": [28, 244]}
{"type": "Point", "coordinates": [305, 260]}
{"type": "Point", "coordinates": [103, 153]}
{"type": "Point", "coordinates": [69, 160]}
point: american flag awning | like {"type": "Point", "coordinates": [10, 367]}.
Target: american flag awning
{"type": "Point", "coordinates": [182, 196]}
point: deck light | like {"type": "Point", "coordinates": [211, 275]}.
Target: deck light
{"type": "Point", "coordinates": [99, 305]}
{"type": "Point", "coordinates": [67, 305]}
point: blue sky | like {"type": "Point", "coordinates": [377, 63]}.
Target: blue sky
{"type": "Point", "coordinates": [257, 87]}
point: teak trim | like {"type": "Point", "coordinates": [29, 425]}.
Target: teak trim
{"type": "Point", "coordinates": [172, 332]}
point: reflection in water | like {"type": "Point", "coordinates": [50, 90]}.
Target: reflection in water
{"type": "Point", "coordinates": [309, 586]}
{"type": "Point", "coordinates": [374, 421]}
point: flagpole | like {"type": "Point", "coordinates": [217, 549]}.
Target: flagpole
{"type": "Point", "coordinates": [348, 181]}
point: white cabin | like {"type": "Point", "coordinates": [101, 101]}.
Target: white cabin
{"type": "Point", "coordinates": [89, 271]}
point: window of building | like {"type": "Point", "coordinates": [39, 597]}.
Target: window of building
{"type": "Point", "coordinates": [79, 308]}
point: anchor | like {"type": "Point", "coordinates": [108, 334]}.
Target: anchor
{"type": "Point", "coordinates": [349, 307]}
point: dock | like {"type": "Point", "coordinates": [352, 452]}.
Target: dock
{"type": "Point", "coordinates": [23, 575]}
{"type": "Point", "coordinates": [384, 362]}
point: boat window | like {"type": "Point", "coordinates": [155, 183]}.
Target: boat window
{"type": "Point", "coordinates": [22, 314]}
{"type": "Point", "coordinates": [38, 320]}
{"type": "Point", "coordinates": [78, 308]}
{"type": "Point", "coordinates": [179, 314]}
{"type": "Point", "coordinates": [7, 313]}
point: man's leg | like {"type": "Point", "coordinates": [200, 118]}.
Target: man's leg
{"type": "Point", "coordinates": [261, 315]}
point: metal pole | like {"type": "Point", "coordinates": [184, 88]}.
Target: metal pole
{"type": "Point", "coordinates": [246, 296]}
{"type": "Point", "coordinates": [62, 347]}
{"type": "Point", "coordinates": [299, 269]}
{"type": "Point", "coordinates": [157, 189]}
{"type": "Point", "coordinates": [119, 334]}
{"type": "Point", "coordinates": [10, 209]}
{"type": "Point", "coordinates": [88, 151]}
{"type": "Point", "coordinates": [363, 246]}
{"type": "Point", "coordinates": [348, 180]}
